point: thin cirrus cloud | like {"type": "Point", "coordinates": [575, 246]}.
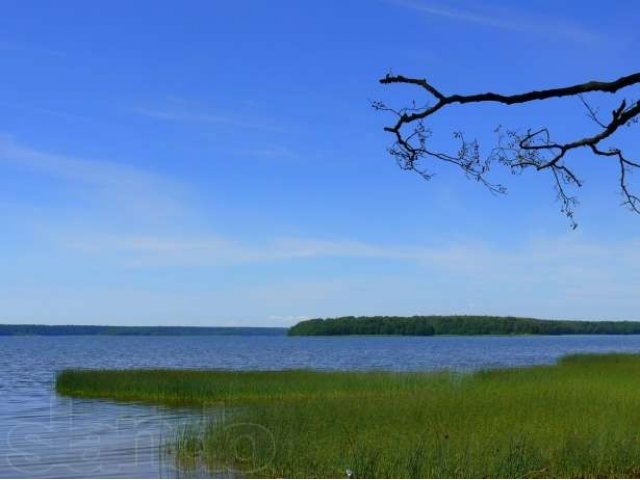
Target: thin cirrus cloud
{"type": "Point", "coordinates": [565, 256]}
{"type": "Point", "coordinates": [183, 116]}
{"type": "Point", "coordinates": [567, 269]}
{"type": "Point", "coordinates": [113, 184]}
{"type": "Point", "coordinates": [189, 114]}
{"type": "Point", "coordinates": [562, 270]}
{"type": "Point", "coordinates": [271, 152]}
{"type": "Point", "coordinates": [27, 49]}
{"type": "Point", "coordinates": [503, 19]}
{"type": "Point", "coordinates": [213, 250]}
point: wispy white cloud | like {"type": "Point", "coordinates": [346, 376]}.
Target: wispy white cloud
{"type": "Point", "coordinates": [505, 19]}
{"type": "Point", "coordinates": [271, 152]}
{"type": "Point", "coordinates": [566, 257]}
{"type": "Point", "coordinates": [188, 112]}
{"type": "Point", "coordinates": [555, 277]}
{"type": "Point", "coordinates": [559, 277]}
{"type": "Point", "coordinates": [565, 276]}
{"type": "Point", "coordinates": [22, 48]}
{"type": "Point", "coordinates": [60, 114]}
{"type": "Point", "coordinates": [211, 250]}
{"type": "Point", "coordinates": [184, 116]}
{"type": "Point", "coordinates": [124, 185]}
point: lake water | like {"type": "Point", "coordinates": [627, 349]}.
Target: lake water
{"type": "Point", "coordinates": [44, 435]}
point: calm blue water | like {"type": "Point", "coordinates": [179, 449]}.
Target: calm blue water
{"type": "Point", "coordinates": [43, 435]}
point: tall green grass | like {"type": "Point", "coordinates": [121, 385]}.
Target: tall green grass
{"type": "Point", "coordinates": [579, 418]}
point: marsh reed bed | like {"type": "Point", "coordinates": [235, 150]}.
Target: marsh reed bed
{"type": "Point", "coordinates": [578, 418]}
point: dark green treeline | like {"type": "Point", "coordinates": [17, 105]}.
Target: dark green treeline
{"type": "Point", "coordinates": [57, 330]}
{"type": "Point", "coordinates": [459, 325]}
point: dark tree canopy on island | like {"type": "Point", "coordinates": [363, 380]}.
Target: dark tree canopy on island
{"type": "Point", "coordinates": [533, 148]}
{"type": "Point", "coordinates": [427, 325]}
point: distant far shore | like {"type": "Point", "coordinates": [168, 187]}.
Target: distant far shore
{"type": "Point", "coordinates": [459, 325]}
{"type": "Point", "coordinates": [59, 330]}
{"type": "Point", "coordinates": [419, 325]}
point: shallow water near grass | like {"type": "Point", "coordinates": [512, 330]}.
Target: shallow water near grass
{"type": "Point", "coordinates": [44, 435]}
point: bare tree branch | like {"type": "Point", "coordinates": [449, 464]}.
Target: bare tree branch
{"type": "Point", "coordinates": [516, 150]}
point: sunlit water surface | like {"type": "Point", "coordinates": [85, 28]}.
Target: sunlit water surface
{"type": "Point", "coordinates": [44, 435]}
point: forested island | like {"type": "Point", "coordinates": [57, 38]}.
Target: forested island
{"type": "Point", "coordinates": [459, 325]}
{"type": "Point", "coordinates": [56, 330]}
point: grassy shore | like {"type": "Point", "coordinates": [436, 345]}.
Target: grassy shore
{"type": "Point", "coordinates": [579, 418]}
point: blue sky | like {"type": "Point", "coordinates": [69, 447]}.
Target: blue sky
{"type": "Point", "coordinates": [218, 163]}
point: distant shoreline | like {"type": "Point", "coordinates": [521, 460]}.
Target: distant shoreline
{"type": "Point", "coordinates": [458, 325]}
{"type": "Point", "coordinates": [432, 325]}
{"type": "Point", "coordinates": [106, 330]}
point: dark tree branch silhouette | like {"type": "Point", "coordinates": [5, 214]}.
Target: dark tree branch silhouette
{"type": "Point", "coordinates": [533, 148]}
